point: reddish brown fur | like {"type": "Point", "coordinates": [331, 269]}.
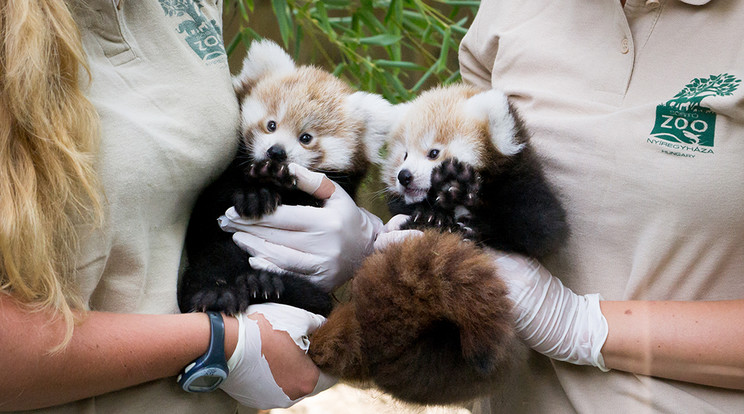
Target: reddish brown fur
{"type": "Point", "coordinates": [427, 322]}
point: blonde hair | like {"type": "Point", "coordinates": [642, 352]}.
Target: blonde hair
{"type": "Point", "coordinates": [48, 135]}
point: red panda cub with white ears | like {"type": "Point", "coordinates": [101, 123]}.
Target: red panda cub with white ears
{"type": "Point", "coordinates": [461, 160]}
{"type": "Point", "coordinates": [289, 113]}
{"type": "Point", "coordinates": [428, 320]}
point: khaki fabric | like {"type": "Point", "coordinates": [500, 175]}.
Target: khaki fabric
{"type": "Point", "coordinates": [638, 113]}
{"type": "Point", "coordinates": [161, 84]}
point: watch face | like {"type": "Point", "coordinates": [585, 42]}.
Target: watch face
{"type": "Point", "coordinates": [205, 383]}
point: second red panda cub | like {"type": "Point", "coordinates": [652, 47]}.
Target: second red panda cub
{"type": "Point", "coordinates": [428, 320]}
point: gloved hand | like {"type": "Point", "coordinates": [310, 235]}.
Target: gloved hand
{"type": "Point", "coordinates": [550, 317]}
{"type": "Point", "coordinates": [391, 233]}
{"type": "Point", "coordinates": [250, 380]}
{"type": "Point", "coordinates": [325, 244]}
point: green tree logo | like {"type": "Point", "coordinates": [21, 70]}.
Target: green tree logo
{"type": "Point", "coordinates": [683, 120]}
{"type": "Point", "coordinates": [700, 88]}
{"type": "Point", "coordinates": [204, 36]}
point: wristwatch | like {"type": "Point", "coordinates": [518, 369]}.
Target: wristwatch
{"type": "Point", "coordinates": [207, 372]}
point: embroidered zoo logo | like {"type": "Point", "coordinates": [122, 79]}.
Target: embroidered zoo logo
{"type": "Point", "coordinates": [683, 126]}
{"type": "Point", "coordinates": [204, 36]}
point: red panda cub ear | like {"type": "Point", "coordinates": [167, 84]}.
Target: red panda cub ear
{"type": "Point", "coordinates": [265, 58]}
{"type": "Point", "coordinates": [377, 116]}
{"type": "Point", "coordinates": [493, 107]}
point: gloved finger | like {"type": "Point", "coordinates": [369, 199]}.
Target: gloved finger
{"type": "Point", "coordinates": [396, 221]}
{"type": "Point", "coordinates": [285, 217]}
{"type": "Point", "coordinates": [311, 182]}
{"type": "Point", "coordinates": [384, 240]}
{"type": "Point", "coordinates": [260, 263]}
{"type": "Point", "coordinates": [283, 257]}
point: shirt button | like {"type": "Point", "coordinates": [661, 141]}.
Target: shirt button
{"type": "Point", "coordinates": [625, 46]}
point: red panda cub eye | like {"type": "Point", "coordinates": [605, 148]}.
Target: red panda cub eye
{"type": "Point", "coordinates": [405, 156]}
{"type": "Point", "coordinates": [433, 154]}
{"type": "Point", "coordinates": [305, 138]}
{"type": "Point", "coordinates": [271, 126]}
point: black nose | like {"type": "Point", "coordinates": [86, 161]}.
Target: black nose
{"type": "Point", "coordinates": [276, 152]}
{"type": "Point", "coordinates": [405, 177]}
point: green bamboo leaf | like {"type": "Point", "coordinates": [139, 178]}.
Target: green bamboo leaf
{"type": "Point", "coordinates": [396, 83]}
{"type": "Point", "coordinates": [322, 15]}
{"type": "Point", "coordinates": [399, 64]}
{"type": "Point", "coordinates": [453, 78]}
{"type": "Point", "coordinates": [367, 17]}
{"type": "Point", "coordinates": [247, 35]}
{"type": "Point", "coordinates": [337, 3]}
{"type": "Point", "coordinates": [339, 69]}
{"type": "Point", "coordinates": [355, 23]}
{"type": "Point", "coordinates": [423, 79]}
{"type": "Point", "coordinates": [394, 13]}
{"type": "Point", "coordinates": [236, 40]}
{"type": "Point", "coordinates": [380, 40]}
{"type": "Point", "coordinates": [283, 18]}
{"type": "Point", "coordinates": [444, 52]}
{"type": "Point", "coordinates": [415, 18]}
{"type": "Point", "coordinates": [463, 3]}
{"type": "Point", "coordinates": [243, 11]}
{"type": "Point", "coordinates": [426, 36]}
{"type": "Point", "coordinates": [298, 42]}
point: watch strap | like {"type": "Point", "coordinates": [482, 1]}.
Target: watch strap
{"type": "Point", "coordinates": [207, 372]}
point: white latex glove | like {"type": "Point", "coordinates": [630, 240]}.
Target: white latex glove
{"type": "Point", "coordinates": [250, 381]}
{"type": "Point", "coordinates": [550, 317]}
{"type": "Point", "coordinates": [392, 234]}
{"type": "Point", "coordinates": [325, 244]}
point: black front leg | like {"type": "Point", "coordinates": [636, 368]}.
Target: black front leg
{"type": "Point", "coordinates": [222, 280]}
{"type": "Point", "coordinates": [262, 188]}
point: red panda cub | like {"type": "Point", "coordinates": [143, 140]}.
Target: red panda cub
{"type": "Point", "coordinates": [428, 320]}
{"type": "Point", "coordinates": [288, 114]}
{"type": "Point", "coordinates": [461, 160]}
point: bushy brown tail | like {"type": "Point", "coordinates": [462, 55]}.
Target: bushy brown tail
{"type": "Point", "coordinates": [427, 322]}
{"type": "Point", "coordinates": [336, 346]}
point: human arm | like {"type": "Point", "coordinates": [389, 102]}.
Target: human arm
{"type": "Point", "coordinates": [110, 351]}
{"type": "Point", "coordinates": [698, 342]}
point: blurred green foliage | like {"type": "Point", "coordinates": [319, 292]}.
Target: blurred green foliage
{"type": "Point", "coordinates": [392, 47]}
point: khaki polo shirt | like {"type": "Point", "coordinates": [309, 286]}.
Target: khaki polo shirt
{"type": "Point", "coordinates": [638, 113]}
{"type": "Point", "coordinates": [169, 121]}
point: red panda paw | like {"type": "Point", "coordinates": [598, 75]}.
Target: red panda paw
{"type": "Point", "coordinates": [455, 183]}
{"type": "Point", "coordinates": [432, 218]}
{"type": "Point", "coordinates": [254, 202]}
{"type": "Point", "coordinates": [271, 171]}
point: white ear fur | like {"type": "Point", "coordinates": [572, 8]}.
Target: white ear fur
{"type": "Point", "coordinates": [493, 107]}
{"type": "Point", "coordinates": [398, 113]}
{"type": "Point", "coordinates": [264, 58]}
{"type": "Point", "coordinates": [378, 115]}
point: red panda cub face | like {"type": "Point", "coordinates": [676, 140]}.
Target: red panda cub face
{"type": "Point", "coordinates": [306, 115]}
{"type": "Point", "coordinates": [447, 122]}
{"type": "Point", "coordinates": [302, 117]}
